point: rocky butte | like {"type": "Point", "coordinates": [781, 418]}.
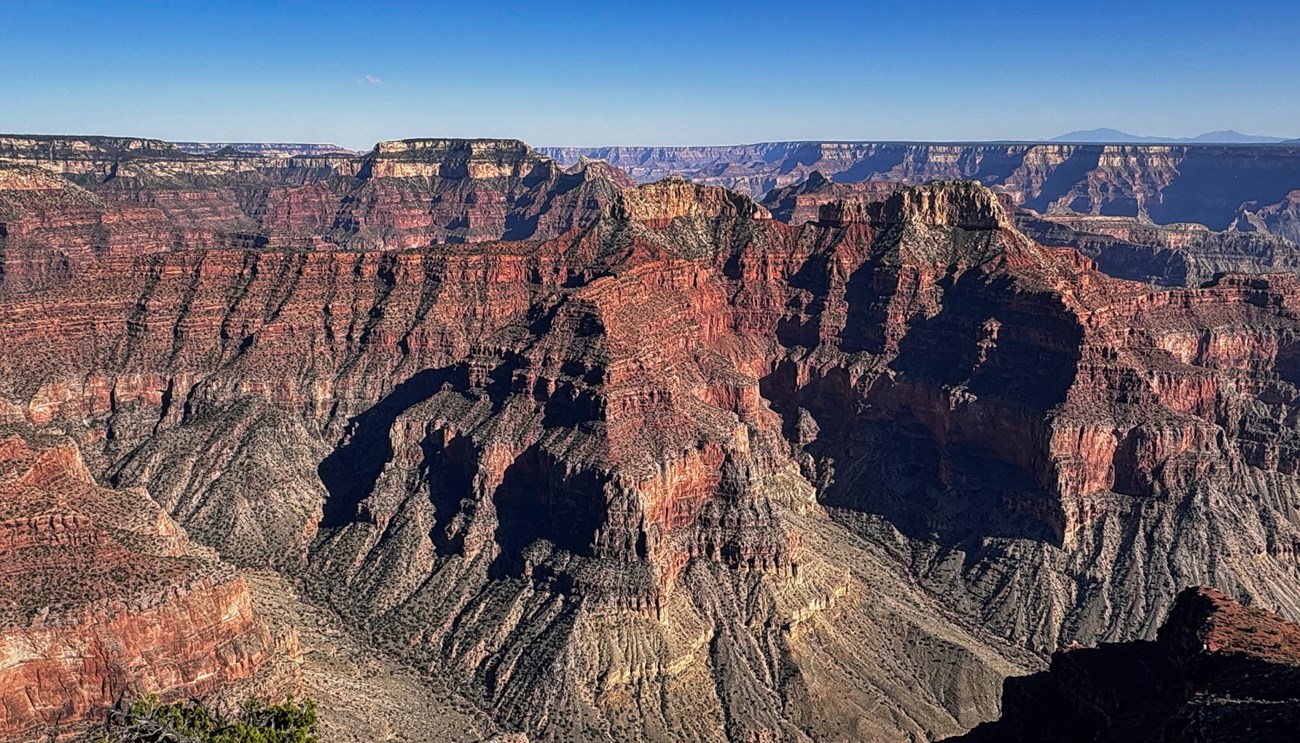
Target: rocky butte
{"type": "Point", "coordinates": [1131, 247]}
{"type": "Point", "coordinates": [652, 462]}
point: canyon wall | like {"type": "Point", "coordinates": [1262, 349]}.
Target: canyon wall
{"type": "Point", "coordinates": [69, 203]}
{"type": "Point", "coordinates": [1213, 185]}
{"type": "Point", "coordinates": [669, 467]}
{"type": "Point", "coordinates": [1184, 254]}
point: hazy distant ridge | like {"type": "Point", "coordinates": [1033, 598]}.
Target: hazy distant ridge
{"type": "Point", "coordinates": [1115, 136]}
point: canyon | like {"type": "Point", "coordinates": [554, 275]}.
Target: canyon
{"type": "Point", "coordinates": [600, 460]}
{"type": "Point", "coordinates": [1217, 186]}
{"type": "Point", "coordinates": [105, 598]}
{"type": "Point", "coordinates": [1180, 254]}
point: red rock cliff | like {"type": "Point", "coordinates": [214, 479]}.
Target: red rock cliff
{"type": "Point", "coordinates": [101, 600]}
{"type": "Point", "coordinates": [1220, 671]}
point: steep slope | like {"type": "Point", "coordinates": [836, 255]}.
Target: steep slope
{"type": "Point", "coordinates": [683, 470]}
{"type": "Point", "coordinates": [1219, 671]}
{"type": "Point", "coordinates": [1042, 435]}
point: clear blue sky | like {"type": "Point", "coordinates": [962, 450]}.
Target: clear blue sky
{"type": "Point", "coordinates": [702, 72]}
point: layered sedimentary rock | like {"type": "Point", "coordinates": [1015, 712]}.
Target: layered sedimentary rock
{"type": "Point", "coordinates": [1206, 184]}
{"type": "Point", "coordinates": [1134, 248]}
{"type": "Point", "coordinates": [69, 203]}
{"type": "Point", "coordinates": [674, 468]}
{"type": "Point", "coordinates": [803, 201]}
{"type": "Point", "coordinates": [1281, 218]}
{"type": "Point", "coordinates": [1219, 671]}
{"type": "Point", "coordinates": [1172, 255]}
{"type": "Point", "coordinates": [105, 599]}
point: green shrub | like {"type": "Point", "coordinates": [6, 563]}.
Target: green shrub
{"type": "Point", "coordinates": [150, 721]}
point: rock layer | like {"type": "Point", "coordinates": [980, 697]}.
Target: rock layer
{"type": "Point", "coordinates": [1185, 254]}
{"type": "Point", "coordinates": [71, 203]}
{"type": "Point", "coordinates": [103, 598]}
{"type": "Point", "coordinates": [1212, 185]}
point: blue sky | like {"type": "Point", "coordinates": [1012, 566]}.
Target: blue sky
{"type": "Point", "coordinates": [594, 73]}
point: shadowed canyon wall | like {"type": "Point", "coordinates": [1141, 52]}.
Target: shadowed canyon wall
{"type": "Point", "coordinates": [1218, 672]}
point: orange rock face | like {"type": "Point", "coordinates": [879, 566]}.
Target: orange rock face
{"type": "Point", "coordinates": [100, 600]}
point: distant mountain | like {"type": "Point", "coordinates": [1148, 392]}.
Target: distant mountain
{"type": "Point", "coordinates": [1115, 136]}
{"type": "Point", "coordinates": [1231, 137]}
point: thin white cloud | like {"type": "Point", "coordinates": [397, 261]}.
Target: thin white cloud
{"type": "Point", "coordinates": [373, 80]}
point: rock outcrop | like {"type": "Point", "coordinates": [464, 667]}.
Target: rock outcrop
{"type": "Point", "coordinates": [1219, 671]}
{"type": "Point", "coordinates": [104, 599]}
{"type": "Point", "coordinates": [1133, 248]}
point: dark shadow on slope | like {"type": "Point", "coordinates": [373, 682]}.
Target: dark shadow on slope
{"type": "Point", "coordinates": [993, 165]}
{"type": "Point", "coordinates": [953, 495]}
{"type": "Point", "coordinates": [1114, 256]}
{"type": "Point", "coordinates": [449, 466]}
{"type": "Point", "coordinates": [812, 277]}
{"type": "Point", "coordinates": [866, 302]}
{"type": "Point", "coordinates": [803, 153]}
{"type": "Point", "coordinates": [939, 473]}
{"type": "Point", "coordinates": [876, 166]}
{"type": "Point", "coordinates": [1211, 186]}
{"type": "Point", "coordinates": [1064, 177]}
{"type": "Point", "coordinates": [350, 472]}
{"type": "Point", "coordinates": [999, 341]}
{"type": "Point", "coordinates": [540, 498]}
